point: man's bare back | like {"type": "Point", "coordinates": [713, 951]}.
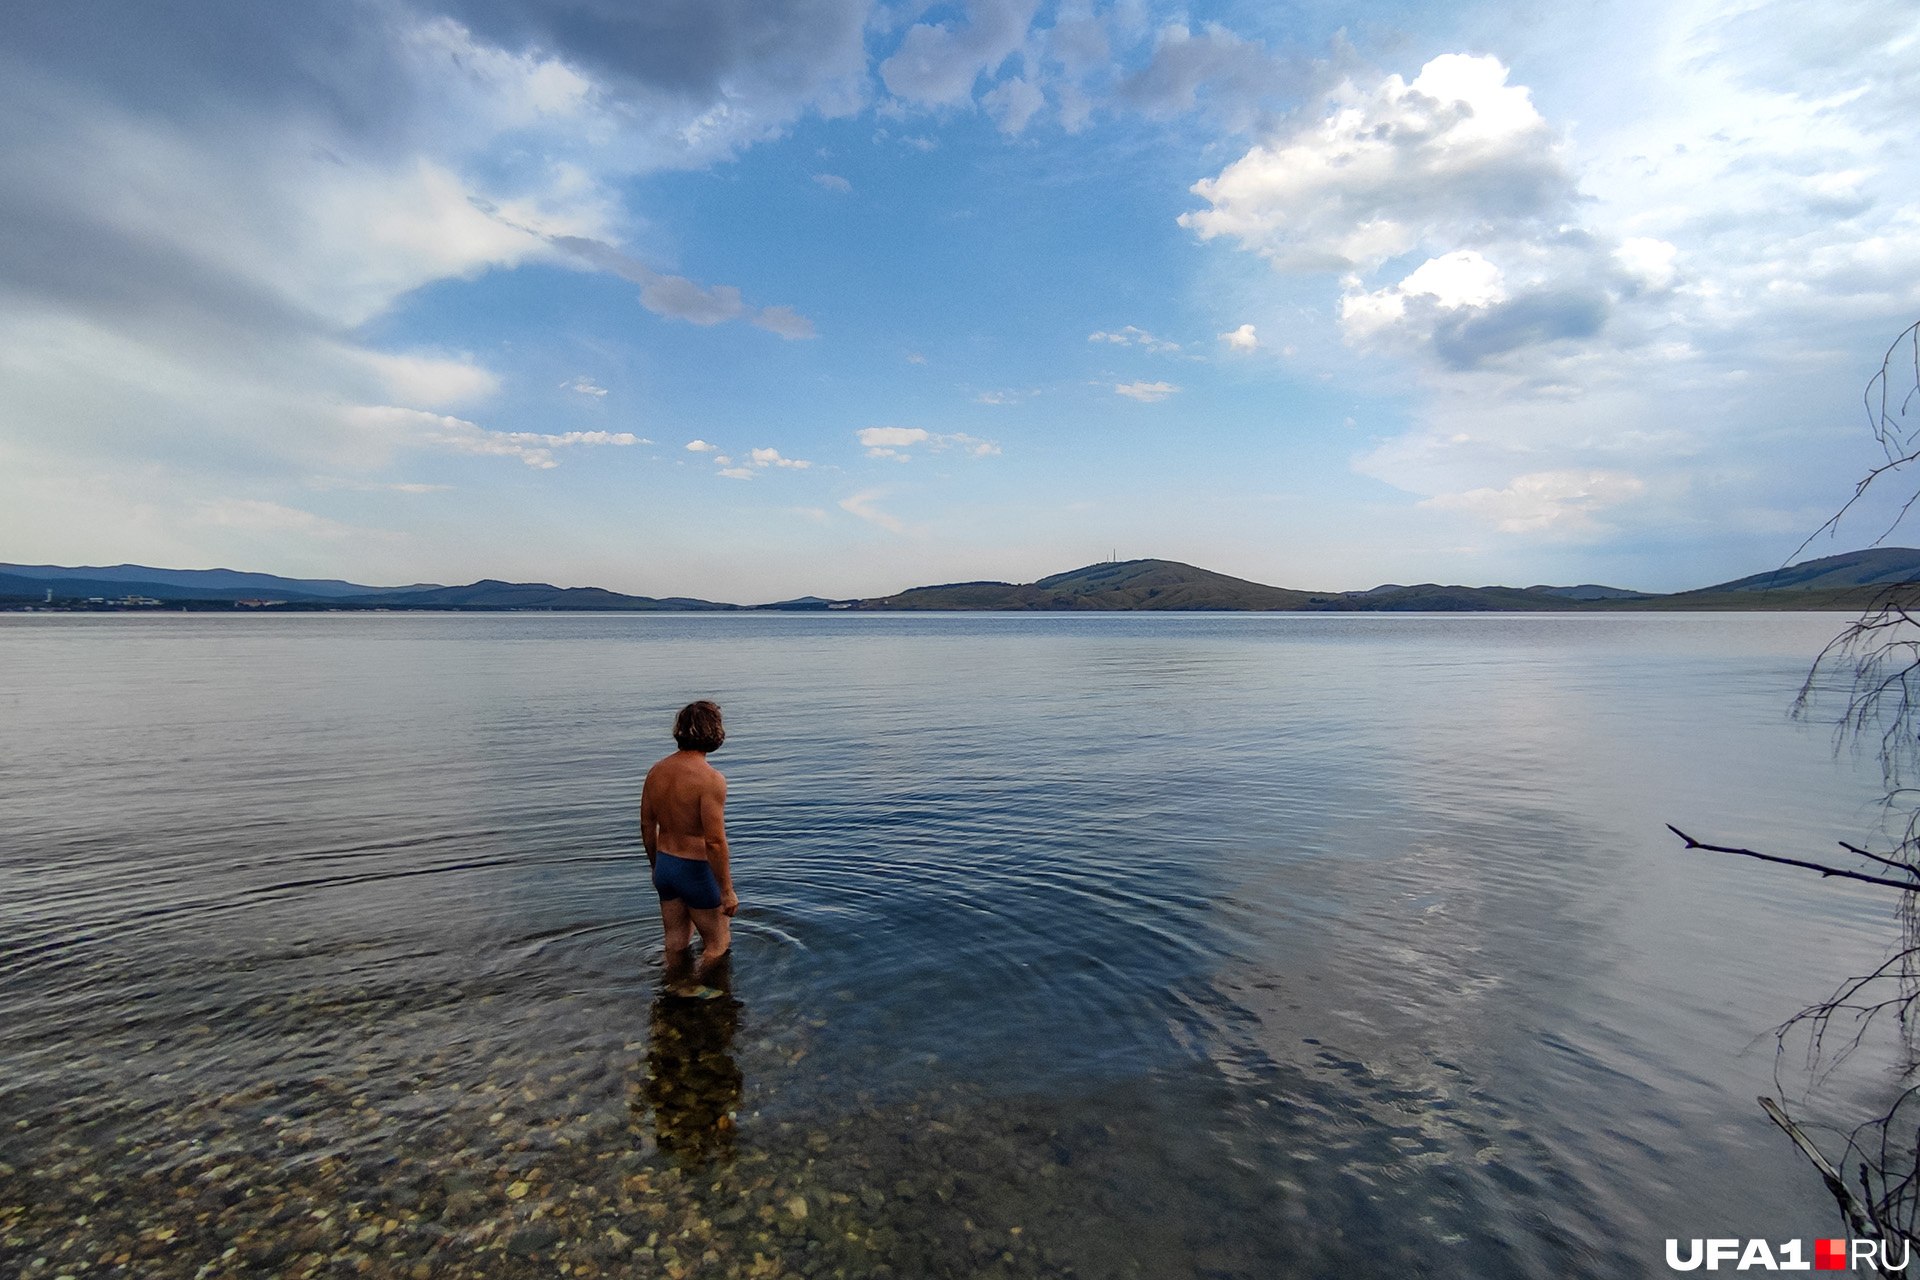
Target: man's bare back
{"type": "Point", "coordinates": [683, 826]}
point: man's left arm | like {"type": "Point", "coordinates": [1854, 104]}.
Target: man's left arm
{"type": "Point", "coordinates": [649, 828]}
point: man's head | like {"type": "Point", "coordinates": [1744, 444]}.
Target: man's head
{"type": "Point", "coordinates": [698, 727]}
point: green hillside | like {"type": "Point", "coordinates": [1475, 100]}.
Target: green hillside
{"type": "Point", "coordinates": [1874, 567]}
{"type": "Point", "coordinates": [1124, 584]}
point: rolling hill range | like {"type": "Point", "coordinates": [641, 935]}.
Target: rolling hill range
{"type": "Point", "coordinates": [1126, 584]}
{"type": "Point", "coordinates": [214, 587]}
{"type": "Point", "coordinates": [1850, 580]}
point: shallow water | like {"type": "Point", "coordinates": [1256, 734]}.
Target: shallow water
{"type": "Point", "coordinates": [1117, 945]}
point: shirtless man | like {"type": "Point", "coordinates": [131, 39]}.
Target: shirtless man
{"type": "Point", "coordinates": [683, 825]}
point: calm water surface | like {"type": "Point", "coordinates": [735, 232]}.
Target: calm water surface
{"type": "Point", "coordinates": [1155, 946]}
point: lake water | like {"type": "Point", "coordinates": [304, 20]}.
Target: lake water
{"type": "Point", "coordinates": [1113, 945]}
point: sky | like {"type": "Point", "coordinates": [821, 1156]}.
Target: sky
{"type": "Point", "coordinates": [750, 299]}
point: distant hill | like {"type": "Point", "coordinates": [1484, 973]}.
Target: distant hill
{"type": "Point", "coordinates": [15, 586]}
{"type": "Point", "coordinates": [1874, 567]}
{"type": "Point", "coordinates": [1847, 581]}
{"type": "Point", "coordinates": [222, 583]}
{"type": "Point", "coordinates": [490, 593]}
{"type": "Point", "coordinates": [208, 587]}
{"type": "Point", "coordinates": [1126, 584]}
{"type": "Point", "coordinates": [1590, 591]}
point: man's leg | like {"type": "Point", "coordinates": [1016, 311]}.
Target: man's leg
{"type": "Point", "coordinates": [716, 933]}
{"type": "Point", "coordinates": [677, 926]}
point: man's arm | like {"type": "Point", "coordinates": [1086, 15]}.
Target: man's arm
{"type": "Point", "coordinates": [649, 826]}
{"type": "Point", "coordinates": [713, 825]}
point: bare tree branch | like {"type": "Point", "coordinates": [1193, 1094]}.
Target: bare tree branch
{"type": "Point", "coordinates": [1821, 867]}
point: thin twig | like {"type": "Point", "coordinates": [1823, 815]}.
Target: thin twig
{"type": "Point", "coordinates": [1821, 867]}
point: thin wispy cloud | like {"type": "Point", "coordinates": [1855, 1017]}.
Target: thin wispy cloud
{"type": "Point", "coordinates": [1133, 336]}
{"type": "Point", "coordinates": [862, 506]}
{"type": "Point", "coordinates": [1145, 392]}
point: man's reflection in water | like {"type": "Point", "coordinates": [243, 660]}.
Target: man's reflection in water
{"type": "Point", "coordinates": [693, 1084]}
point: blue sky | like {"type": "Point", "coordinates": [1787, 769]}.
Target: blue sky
{"type": "Point", "coordinates": [747, 299]}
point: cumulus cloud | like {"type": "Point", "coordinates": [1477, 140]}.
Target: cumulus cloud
{"type": "Point", "coordinates": [1145, 392]}
{"type": "Point", "coordinates": [833, 182]}
{"type": "Point", "coordinates": [937, 63]}
{"type": "Point", "coordinates": [772, 458]}
{"type": "Point", "coordinates": [862, 505]}
{"type": "Point", "coordinates": [1134, 336]}
{"type": "Point", "coordinates": [736, 473]}
{"type": "Point", "coordinates": [897, 442]}
{"type": "Point", "coordinates": [714, 72]}
{"type": "Point", "coordinates": [1242, 339]}
{"type": "Point", "coordinates": [585, 386]}
{"type": "Point", "coordinates": [1458, 173]}
{"type": "Point", "coordinates": [1647, 262]}
{"type": "Point", "coordinates": [701, 446]}
{"type": "Point", "coordinates": [1215, 68]}
{"type": "Point", "coordinates": [1456, 151]}
{"type": "Point", "coordinates": [1013, 102]}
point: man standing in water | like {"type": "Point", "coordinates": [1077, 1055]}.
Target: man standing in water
{"type": "Point", "coordinates": [683, 825]}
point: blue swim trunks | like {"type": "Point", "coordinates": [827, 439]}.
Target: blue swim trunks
{"type": "Point", "coordinates": [689, 879]}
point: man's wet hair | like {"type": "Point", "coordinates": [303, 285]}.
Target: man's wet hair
{"type": "Point", "coordinates": [698, 727]}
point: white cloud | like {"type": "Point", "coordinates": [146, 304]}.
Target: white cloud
{"type": "Point", "coordinates": [936, 64]}
{"type": "Point", "coordinates": [1215, 68]}
{"type": "Point", "coordinates": [861, 505]}
{"type": "Point", "coordinates": [701, 446]}
{"type": "Point", "coordinates": [1134, 336]}
{"type": "Point", "coordinates": [1460, 279]}
{"type": "Point", "coordinates": [396, 427]}
{"type": "Point", "coordinates": [833, 182]}
{"type": "Point", "coordinates": [772, 458]}
{"type": "Point", "coordinates": [736, 473]}
{"type": "Point", "coordinates": [585, 386]}
{"type": "Point", "coordinates": [1012, 103]}
{"type": "Point", "coordinates": [1458, 150]}
{"type": "Point", "coordinates": [1145, 392]}
{"type": "Point", "coordinates": [436, 382]}
{"type": "Point", "coordinates": [1559, 502]}
{"type": "Point", "coordinates": [893, 442]}
{"type": "Point", "coordinates": [679, 298]}
{"type": "Point", "coordinates": [786, 322]}
{"type": "Point", "coordinates": [892, 437]}
{"type": "Point", "coordinates": [1242, 339]}
{"type": "Point", "coordinates": [1648, 262]}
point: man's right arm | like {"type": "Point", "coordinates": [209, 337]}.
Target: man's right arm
{"type": "Point", "coordinates": [713, 825]}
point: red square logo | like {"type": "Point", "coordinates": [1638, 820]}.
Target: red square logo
{"type": "Point", "coordinates": [1830, 1255]}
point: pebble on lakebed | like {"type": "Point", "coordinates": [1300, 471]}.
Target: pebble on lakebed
{"type": "Point", "coordinates": [324, 1180]}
